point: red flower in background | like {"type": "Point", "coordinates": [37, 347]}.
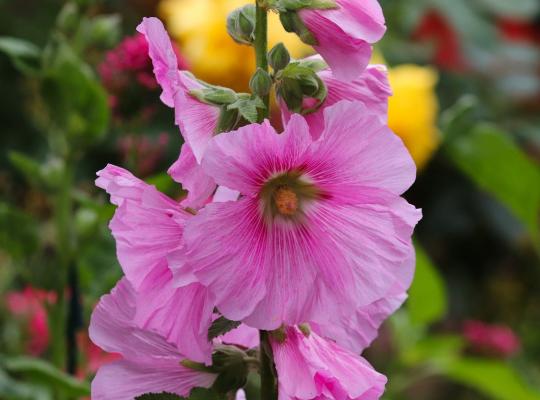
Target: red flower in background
{"type": "Point", "coordinates": [29, 306]}
{"type": "Point", "coordinates": [519, 30]}
{"type": "Point", "coordinates": [127, 73]}
{"type": "Point", "coordinates": [491, 340]}
{"type": "Point", "coordinates": [435, 29]}
{"type": "Point", "coordinates": [142, 152]}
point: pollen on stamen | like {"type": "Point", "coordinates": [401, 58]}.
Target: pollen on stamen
{"type": "Point", "coordinates": [286, 201]}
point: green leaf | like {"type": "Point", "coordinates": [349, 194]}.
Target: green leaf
{"type": "Point", "coordinates": [24, 55]}
{"type": "Point", "coordinates": [497, 165]}
{"type": "Point", "coordinates": [221, 326]}
{"type": "Point", "coordinates": [427, 295]}
{"type": "Point", "coordinates": [247, 107]}
{"type": "Point", "coordinates": [40, 371]}
{"type": "Point", "coordinates": [491, 377]}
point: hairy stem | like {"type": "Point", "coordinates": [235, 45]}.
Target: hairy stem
{"type": "Point", "coordinates": [261, 48]}
{"type": "Point", "coordinates": [268, 378]}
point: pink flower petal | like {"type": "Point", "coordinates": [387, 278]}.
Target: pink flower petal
{"type": "Point", "coordinates": [189, 173]}
{"type": "Point", "coordinates": [345, 34]}
{"type": "Point", "coordinates": [312, 368]}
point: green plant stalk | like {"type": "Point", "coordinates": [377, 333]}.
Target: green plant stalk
{"type": "Point", "coordinates": [268, 378]}
{"type": "Point", "coordinates": [63, 219]}
{"type": "Point", "coordinates": [261, 49]}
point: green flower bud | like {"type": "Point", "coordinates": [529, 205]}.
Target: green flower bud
{"type": "Point", "coordinates": [260, 83]}
{"type": "Point", "coordinates": [279, 57]}
{"type": "Point", "coordinates": [230, 364]}
{"type": "Point", "coordinates": [241, 24]}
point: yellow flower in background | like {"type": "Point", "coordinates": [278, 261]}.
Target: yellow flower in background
{"type": "Point", "coordinates": [199, 27]}
{"type": "Point", "coordinates": [413, 109]}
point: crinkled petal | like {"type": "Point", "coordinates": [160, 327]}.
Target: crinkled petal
{"type": "Point", "coordinates": [315, 368]}
{"type": "Point", "coordinates": [197, 121]}
{"type": "Point", "coordinates": [371, 88]}
{"type": "Point", "coordinates": [190, 174]}
{"type": "Point", "coordinates": [355, 331]}
{"type": "Point", "coordinates": [147, 224]}
{"type": "Point", "coordinates": [112, 328]}
{"type": "Point", "coordinates": [345, 34]}
{"type": "Point", "coordinates": [126, 380]}
{"type": "Point", "coordinates": [163, 57]}
{"type": "Point", "coordinates": [182, 315]}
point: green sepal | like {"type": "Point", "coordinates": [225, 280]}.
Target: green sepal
{"type": "Point", "coordinates": [293, 5]}
{"type": "Point", "coordinates": [293, 23]}
{"type": "Point", "coordinates": [232, 368]}
{"type": "Point", "coordinates": [241, 24]}
{"type": "Point", "coordinates": [221, 326]}
{"type": "Point", "coordinates": [228, 120]}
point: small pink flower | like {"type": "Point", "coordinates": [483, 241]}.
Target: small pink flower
{"type": "Point", "coordinates": [370, 87]}
{"type": "Point", "coordinates": [491, 340]}
{"type": "Point", "coordinates": [312, 368]}
{"type": "Point", "coordinates": [320, 229]}
{"type": "Point", "coordinates": [30, 306]}
{"type": "Point", "coordinates": [345, 34]}
{"type": "Point", "coordinates": [149, 364]}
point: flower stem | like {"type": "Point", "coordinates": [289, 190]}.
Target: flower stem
{"type": "Point", "coordinates": [261, 48]}
{"type": "Point", "coordinates": [268, 378]}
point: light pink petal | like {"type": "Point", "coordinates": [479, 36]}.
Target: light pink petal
{"type": "Point", "coordinates": [189, 173]}
{"type": "Point", "coordinates": [244, 335]}
{"type": "Point", "coordinates": [197, 121]}
{"type": "Point", "coordinates": [225, 194]}
{"type": "Point", "coordinates": [356, 330]}
{"type": "Point", "coordinates": [182, 315]}
{"type": "Point", "coordinates": [360, 151]}
{"type": "Point", "coordinates": [112, 328]}
{"type": "Point", "coordinates": [147, 224]}
{"type": "Point", "coordinates": [242, 160]}
{"type": "Point", "coordinates": [163, 57]}
{"type": "Point", "coordinates": [371, 87]}
{"type": "Point", "coordinates": [345, 34]}
{"type": "Point", "coordinates": [126, 380]}
{"type": "Point", "coordinates": [315, 368]}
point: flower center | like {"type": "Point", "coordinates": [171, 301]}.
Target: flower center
{"type": "Point", "coordinates": [285, 200]}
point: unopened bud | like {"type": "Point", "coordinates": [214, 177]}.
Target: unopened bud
{"type": "Point", "coordinates": [241, 24]}
{"type": "Point", "coordinates": [232, 368]}
{"type": "Point", "coordinates": [278, 57]}
{"type": "Point", "coordinates": [260, 83]}
{"type": "Point", "coordinates": [215, 95]}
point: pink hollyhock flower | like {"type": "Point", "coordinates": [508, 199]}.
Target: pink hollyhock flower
{"type": "Point", "coordinates": [197, 120]}
{"type": "Point", "coordinates": [148, 226]}
{"type": "Point", "coordinates": [149, 364]}
{"type": "Point", "coordinates": [320, 228]}
{"type": "Point", "coordinates": [370, 87]}
{"type": "Point", "coordinates": [312, 368]}
{"type": "Point", "coordinates": [493, 340]}
{"type": "Point", "coordinates": [30, 306]}
{"type": "Point", "coordinates": [345, 34]}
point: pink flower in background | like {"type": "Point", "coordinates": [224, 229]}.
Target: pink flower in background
{"type": "Point", "coordinates": [197, 120]}
{"type": "Point", "coordinates": [370, 87]}
{"type": "Point", "coordinates": [142, 151]}
{"type": "Point", "coordinates": [312, 368]}
{"type": "Point", "coordinates": [30, 306]}
{"type": "Point", "coordinates": [345, 34]}
{"type": "Point", "coordinates": [491, 340]}
{"type": "Point", "coordinates": [321, 227]}
{"type": "Point", "coordinates": [149, 364]}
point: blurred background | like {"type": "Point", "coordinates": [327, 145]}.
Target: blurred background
{"type": "Point", "coordinates": [77, 92]}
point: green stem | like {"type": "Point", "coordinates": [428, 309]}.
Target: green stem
{"type": "Point", "coordinates": [261, 48]}
{"type": "Point", "coordinates": [268, 379]}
